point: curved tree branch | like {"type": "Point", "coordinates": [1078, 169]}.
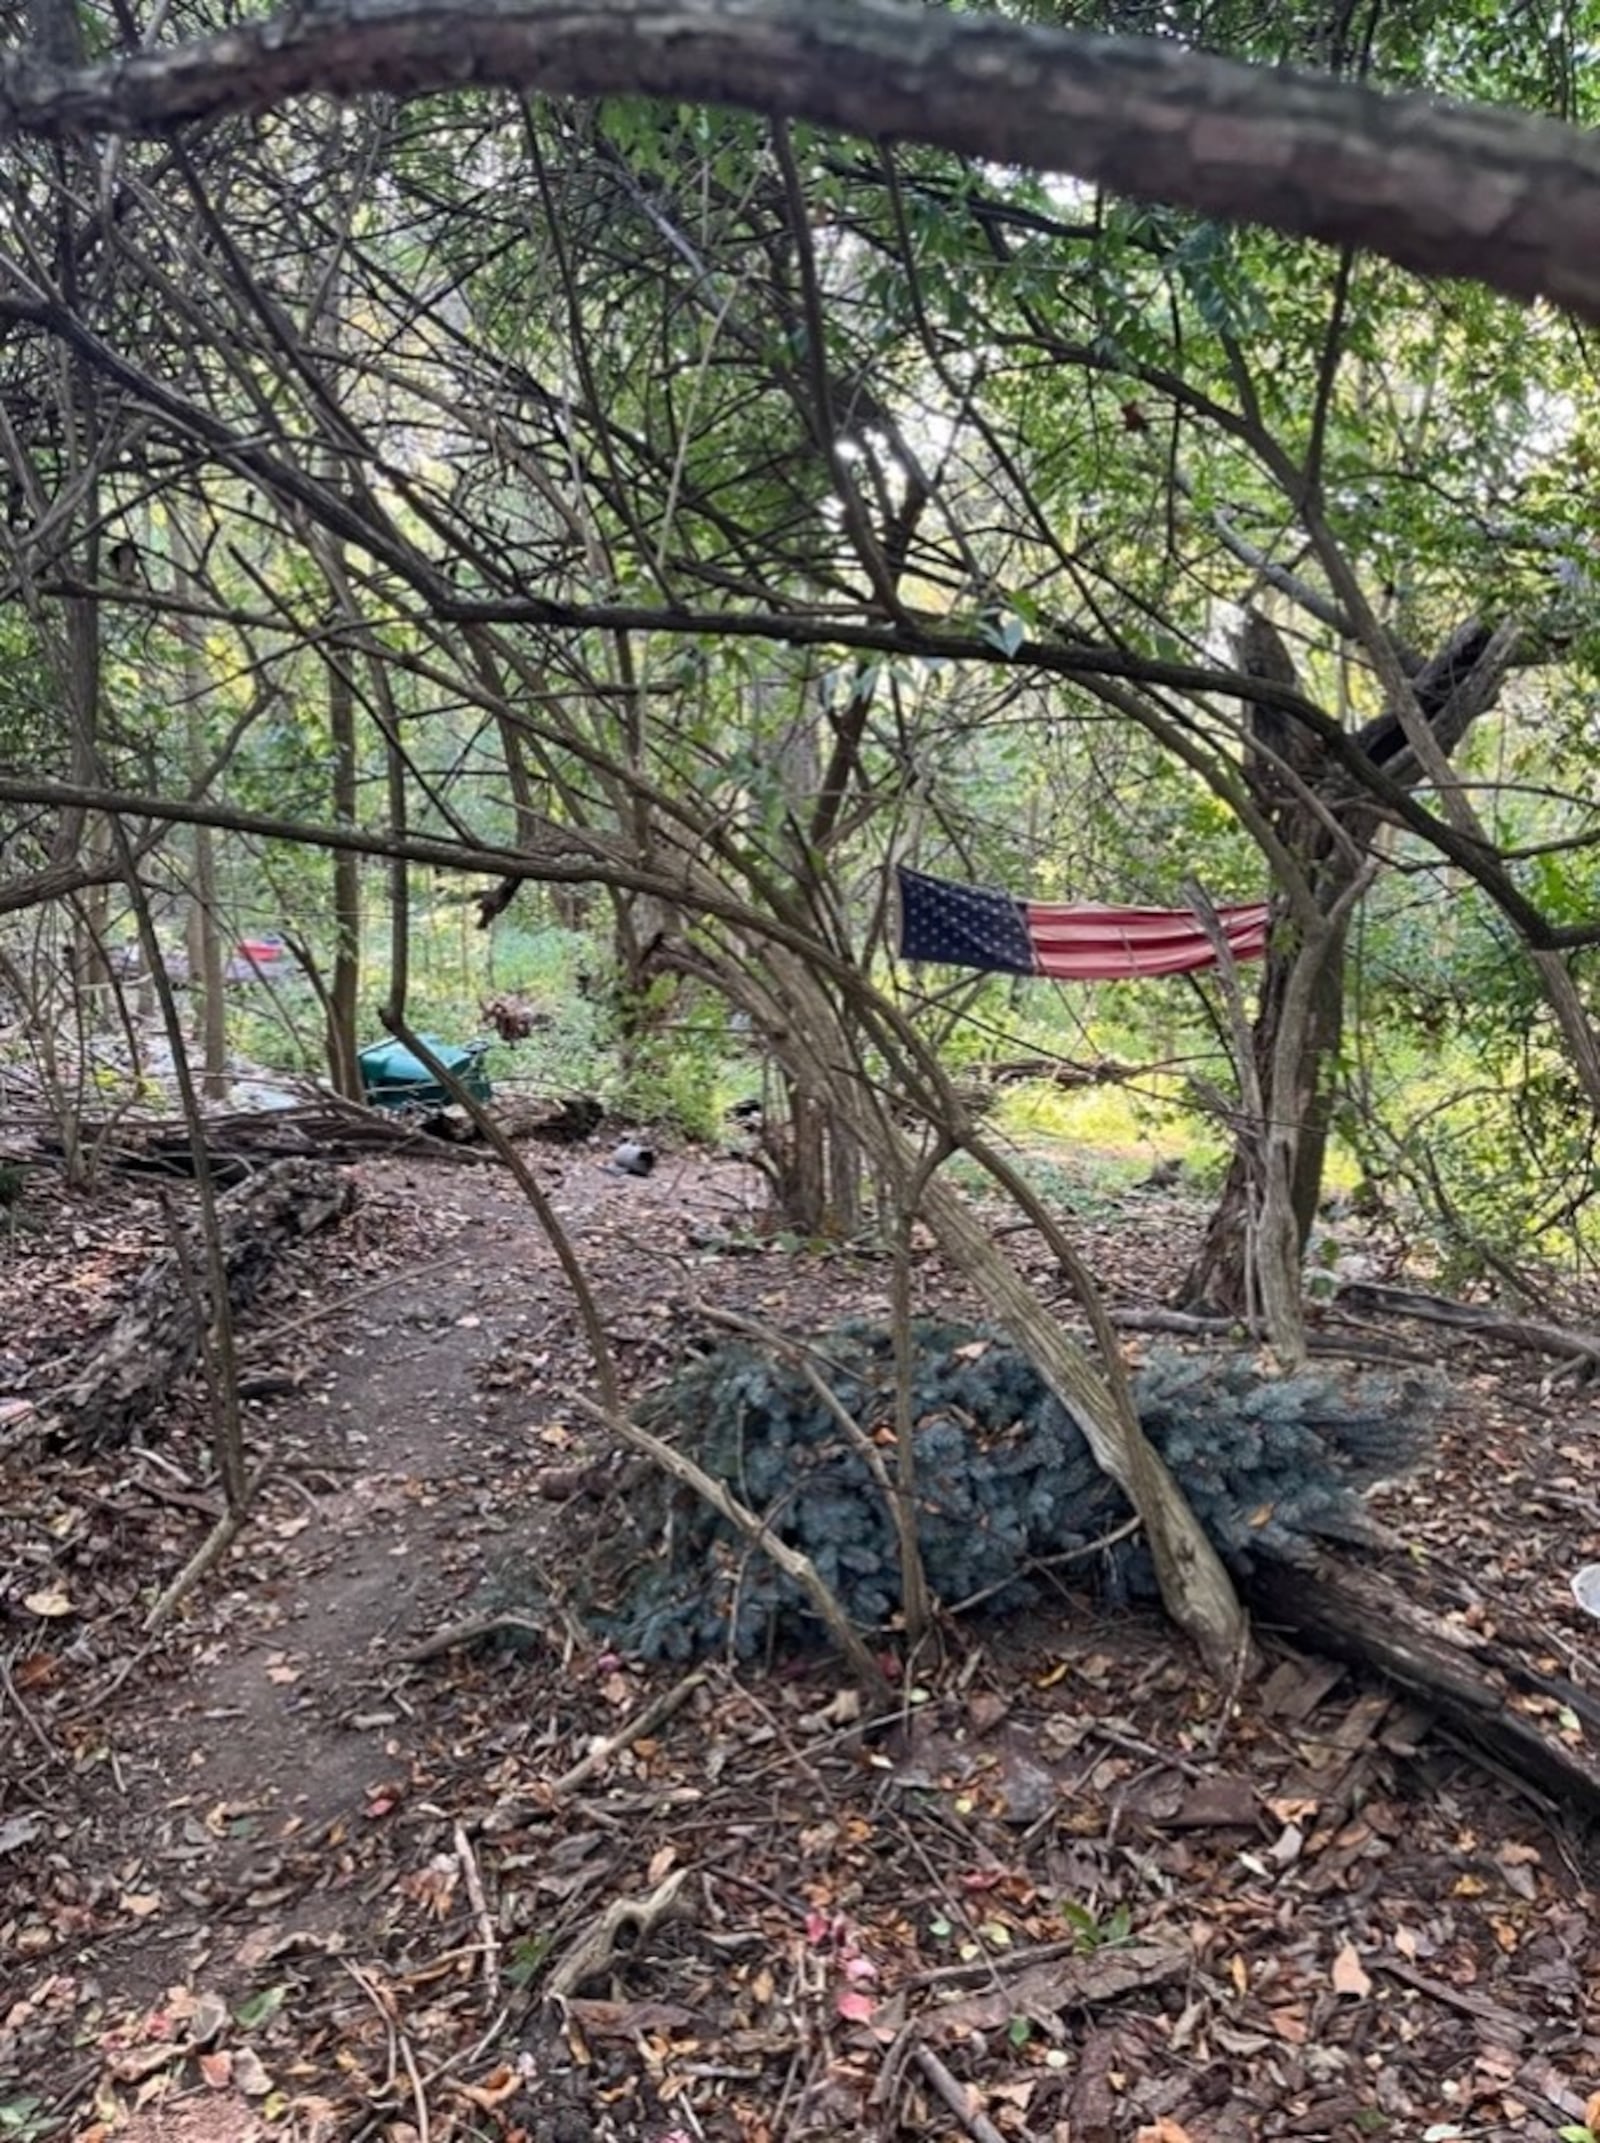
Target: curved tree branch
{"type": "Point", "coordinates": [1509, 198]}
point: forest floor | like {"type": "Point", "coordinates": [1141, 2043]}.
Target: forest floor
{"type": "Point", "coordinates": [306, 1865]}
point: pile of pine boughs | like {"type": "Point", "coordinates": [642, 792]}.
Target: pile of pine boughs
{"type": "Point", "coordinates": [1005, 1480]}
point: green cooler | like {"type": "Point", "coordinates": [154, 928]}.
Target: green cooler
{"type": "Point", "coordinates": [392, 1078]}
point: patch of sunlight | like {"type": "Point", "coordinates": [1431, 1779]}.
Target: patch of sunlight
{"type": "Point", "coordinates": [1109, 1118]}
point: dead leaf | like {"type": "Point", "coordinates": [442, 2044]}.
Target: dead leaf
{"type": "Point", "coordinates": [50, 1604]}
{"type": "Point", "coordinates": [249, 2075]}
{"type": "Point", "coordinates": [502, 2083]}
{"type": "Point", "coordinates": [598, 2019]}
{"type": "Point", "coordinates": [1348, 1975]}
{"type": "Point", "coordinates": [209, 2018]}
{"type": "Point", "coordinates": [1221, 1803]}
{"type": "Point", "coordinates": [986, 1708]}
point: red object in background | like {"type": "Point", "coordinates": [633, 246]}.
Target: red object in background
{"type": "Point", "coordinates": [263, 951]}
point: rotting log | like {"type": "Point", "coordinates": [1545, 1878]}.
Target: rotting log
{"type": "Point", "coordinates": [1536, 1334]}
{"type": "Point", "coordinates": [1544, 1730]}
{"type": "Point", "coordinates": [240, 1142]}
{"type": "Point", "coordinates": [156, 1340]}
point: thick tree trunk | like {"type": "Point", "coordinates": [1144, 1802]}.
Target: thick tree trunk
{"type": "Point", "coordinates": [813, 1164]}
{"type": "Point", "coordinates": [1481, 1688]}
{"type": "Point", "coordinates": [1321, 159]}
{"type": "Point", "coordinates": [1306, 983]}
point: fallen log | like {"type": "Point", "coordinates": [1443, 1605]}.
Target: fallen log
{"type": "Point", "coordinates": [1544, 1730]}
{"type": "Point", "coordinates": [1534, 1333]}
{"type": "Point", "coordinates": [572, 1121]}
{"type": "Point", "coordinates": [156, 1341]}
{"type": "Point", "coordinates": [240, 1142]}
{"type": "Point", "coordinates": [1058, 1071]}
{"type": "Point", "coordinates": [1195, 1324]}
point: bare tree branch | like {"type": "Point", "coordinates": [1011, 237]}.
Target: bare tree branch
{"type": "Point", "coordinates": [1508, 198]}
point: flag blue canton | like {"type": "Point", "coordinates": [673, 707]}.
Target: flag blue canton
{"type": "Point", "coordinates": [963, 926]}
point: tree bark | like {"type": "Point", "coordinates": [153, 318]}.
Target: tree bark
{"type": "Point", "coordinates": [1509, 198]}
{"type": "Point", "coordinates": [1479, 1687]}
{"type": "Point", "coordinates": [1295, 1039]}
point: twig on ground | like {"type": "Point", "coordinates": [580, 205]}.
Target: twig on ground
{"type": "Point", "coordinates": [398, 2043]}
{"type": "Point", "coordinates": [113, 1682]}
{"type": "Point", "coordinates": [643, 1722]}
{"type": "Point", "coordinates": [959, 2098]}
{"type": "Point", "coordinates": [990, 1968]}
{"type": "Point", "coordinates": [23, 1713]}
{"type": "Point", "coordinates": [1473, 2005]}
{"type": "Point", "coordinates": [480, 1906]}
{"type": "Point", "coordinates": [324, 1310]}
{"type": "Point", "coordinates": [460, 1633]}
{"type": "Point", "coordinates": [210, 1551]}
{"type": "Point", "coordinates": [594, 1950]}
{"type": "Point", "coordinates": [386, 2017]}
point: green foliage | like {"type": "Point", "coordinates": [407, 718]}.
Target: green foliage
{"type": "Point", "coordinates": [684, 1068]}
{"type": "Point", "coordinates": [529, 1956]}
{"type": "Point", "coordinates": [1462, 1089]}
{"type": "Point", "coordinates": [1091, 1932]}
{"type": "Point", "coordinates": [31, 732]}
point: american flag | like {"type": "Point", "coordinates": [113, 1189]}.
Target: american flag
{"type": "Point", "coordinates": [970, 926]}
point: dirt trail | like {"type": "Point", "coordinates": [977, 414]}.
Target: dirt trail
{"type": "Point", "coordinates": [410, 1464]}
